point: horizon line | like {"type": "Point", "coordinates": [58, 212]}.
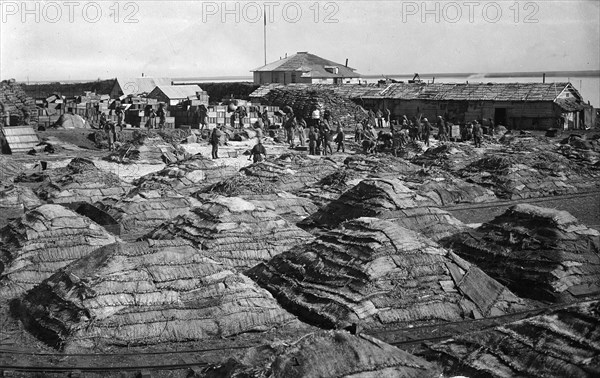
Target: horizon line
{"type": "Point", "coordinates": [579, 73]}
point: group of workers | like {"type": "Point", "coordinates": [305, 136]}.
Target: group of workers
{"type": "Point", "coordinates": [321, 131]}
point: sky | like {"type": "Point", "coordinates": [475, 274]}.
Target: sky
{"type": "Point", "coordinates": [77, 40]}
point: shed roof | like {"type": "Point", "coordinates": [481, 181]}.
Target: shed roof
{"type": "Point", "coordinates": [177, 91]}
{"type": "Point", "coordinates": [440, 91]}
{"type": "Point", "coordinates": [20, 138]}
{"type": "Point", "coordinates": [570, 104]}
{"type": "Point", "coordinates": [310, 65]}
{"type": "Point", "coordinates": [137, 85]}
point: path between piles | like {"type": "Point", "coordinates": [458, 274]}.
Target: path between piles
{"type": "Point", "coordinates": [588, 212]}
{"type": "Point", "coordinates": [409, 339]}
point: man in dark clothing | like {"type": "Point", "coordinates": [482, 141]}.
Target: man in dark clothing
{"type": "Point", "coordinates": [339, 139]}
{"type": "Point", "coordinates": [265, 118]}
{"type": "Point", "coordinates": [258, 152]}
{"type": "Point", "coordinates": [441, 124]}
{"type": "Point", "coordinates": [426, 132]}
{"type": "Point", "coordinates": [202, 113]}
{"type": "Point", "coordinates": [215, 139]}
{"type": "Point", "coordinates": [324, 137]}
{"type": "Point", "coordinates": [313, 137]}
{"type": "Point", "coordinates": [290, 128]}
{"type": "Point", "coordinates": [385, 138]}
{"type": "Point", "coordinates": [368, 146]}
{"type": "Point", "coordinates": [242, 113]}
{"type": "Point", "coordinates": [162, 116]}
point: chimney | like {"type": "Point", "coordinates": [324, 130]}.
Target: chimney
{"type": "Point", "coordinates": [346, 62]}
{"type": "Point", "coordinates": [286, 55]}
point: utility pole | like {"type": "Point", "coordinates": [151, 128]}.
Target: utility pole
{"type": "Point", "coordinates": [265, 33]}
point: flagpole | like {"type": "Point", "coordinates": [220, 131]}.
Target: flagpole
{"type": "Point", "coordinates": [265, 34]}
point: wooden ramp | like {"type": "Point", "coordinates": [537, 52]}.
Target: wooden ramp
{"type": "Point", "coordinates": [20, 138]}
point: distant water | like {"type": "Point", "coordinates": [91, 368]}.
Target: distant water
{"type": "Point", "coordinates": [586, 82]}
{"type": "Point", "coordinates": [588, 85]}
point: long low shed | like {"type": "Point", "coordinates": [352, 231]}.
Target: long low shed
{"type": "Point", "coordinates": [516, 105]}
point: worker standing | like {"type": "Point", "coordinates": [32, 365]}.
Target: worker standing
{"type": "Point", "coordinates": [162, 116]}
{"type": "Point", "coordinates": [120, 116]}
{"type": "Point", "coordinates": [379, 116]}
{"type": "Point", "coordinates": [339, 139]}
{"type": "Point", "coordinates": [358, 132]}
{"type": "Point", "coordinates": [215, 139]}
{"type": "Point", "coordinates": [202, 113]}
{"type": "Point", "coordinates": [242, 113]}
{"type": "Point", "coordinates": [441, 124]}
{"type": "Point", "coordinates": [324, 136]}
{"type": "Point", "coordinates": [313, 137]}
{"type": "Point", "coordinates": [477, 134]}
{"type": "Point", "coordinates": [386, 116]}
{"type": "Point", "coordinates": [301, 126]}
{"type": "Point", "coordinates": [426, 131]}
{"type": "Point", "coordinates": [290, 128]}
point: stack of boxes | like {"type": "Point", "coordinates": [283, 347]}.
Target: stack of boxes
{"type": "Point", "coordinates": [15, 100]}
{"type": "Point", "coordinates": [220, 114]}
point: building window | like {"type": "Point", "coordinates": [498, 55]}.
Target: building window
{"type": "Point", "coordinates": [293, 77]}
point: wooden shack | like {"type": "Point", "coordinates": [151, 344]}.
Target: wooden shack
{"type": "Point", "coordinates": [525, 106]}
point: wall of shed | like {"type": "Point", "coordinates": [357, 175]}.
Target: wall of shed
{"type": "Point", "coordinates": [519, 115]}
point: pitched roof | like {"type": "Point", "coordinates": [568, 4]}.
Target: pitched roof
{"type": "Point", "coordinates": [178, 91]}
{"type": "Point", "coordinates": [439, 91]}
{"type": "Point", "coordinates": [310, 65]}
{"type": "Point", "coordinates": [137, 85]}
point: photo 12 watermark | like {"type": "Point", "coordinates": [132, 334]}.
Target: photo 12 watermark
{"type": "Point", "coordinates": [470, 11]}
{"type": "Point", "coordinates": [270, 11]}
{"type": "Point", "coordinates": [69, 11]}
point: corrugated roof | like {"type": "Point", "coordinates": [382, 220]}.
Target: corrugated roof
{"type": "Point", "coordinates": [20, 138]}
{"type": "Point", "coordinates": [438, 91]}
{"type": "Point", "coordinates": [178, 91]}
{"type": "Point", "coordinates": [137, 85]}
{"type": "Point", "coordinates": [310, 65]}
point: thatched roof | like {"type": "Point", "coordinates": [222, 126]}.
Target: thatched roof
{"type": "Point", "coordinates": [144, 148]}
{"type": "Point", "coordinates": [80, 181]}
{"type": "Point", "coordinates": [537, 252]}
{"type": "Point", "coordinates": [292, 172]}
{"type": "Point", "coordinates": [374, 273]}
{"type": "Point", "coordinates": [233, 231]}
{"type": "Point", "coordinates": [263, 194]}
{"type": "Point", "coordinates": [387, 199]}
{"type": "Point", "coordinates": [561, 343]}
{"type": "Point", "coordinates": [187, 176]}
{"type": "Point", "coordinates": [41, 242]}
{"type": "Point", "coordinates": [141, 212]}
{"type": "Point", "coordinates": [147, 292]}
{"type": "Point", "coordinates": [523, 172]}
{"type": "Point", "coordinates": [526, 92]}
